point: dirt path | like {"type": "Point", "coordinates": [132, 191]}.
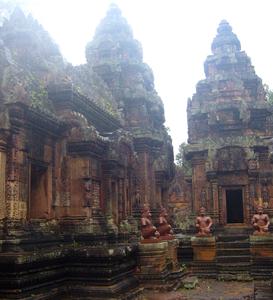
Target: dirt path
{"type": "Point", "coordinates": [206, 289]}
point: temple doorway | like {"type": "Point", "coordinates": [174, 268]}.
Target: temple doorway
{"type": "Point", "coordinates": [234, 206]}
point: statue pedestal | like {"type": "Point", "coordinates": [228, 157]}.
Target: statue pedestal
{"type": "Point", "coordinates": [172, 261]}
{"type": "Point", "coordinates": [152, 263]}
{"type": "Point", "coordinates": [259, 233]}
{"type": "Point", "coordinates": [204, 248]}
{"type": "Point", "coordinates": [261, 251]}
{"type": "Point", "coordinates": [204, 260]}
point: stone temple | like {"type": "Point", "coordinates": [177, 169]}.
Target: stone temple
{"type": "Point", "coordinates": [83, 148]}
{"type": "Point", "coordinates": [229, 131]}
{"type": "Point", "coordinates": [79, 142]}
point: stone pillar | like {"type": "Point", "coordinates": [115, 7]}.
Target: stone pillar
{"type": "Point", "coordinates": [12, 180]}
{"type": "Point", "coordinates": [152, 263]}
{"type": "Point", "coordinates": [143, 171]}
{"type": "Point", "coordinates": [120, 210]}
{"type": "Point", "coordinates": [198, 179]}
{"type": "Point", "coordinates": [3, 159]}
{"type": "Point", "coordinates": [96, 198]}
{"type": "Point", "coordinates": [221, 212]}
{"type": "Point", "coordinates": [247, 206]}
{"type": "Point", "coordinates": [191, 199]}
{"type": "Point", "coordinates": [252, 192]}
{"type": "Point", "coordinates": [214, 184]}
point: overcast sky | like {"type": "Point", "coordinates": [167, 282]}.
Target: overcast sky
{"type": "Point", "coordinates": [176, 36]}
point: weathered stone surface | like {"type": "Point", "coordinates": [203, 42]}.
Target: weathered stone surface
{"type": "Point", "coordinates": [204, 248]}
{"type": "Point", "coordinates": [189, 282]}
{"type": "Point", "coordinates": [152, 263]}
{"type": "Point", "coordinates": [261, 247]}
{"type": "Point", "coordinates": [70, 270]}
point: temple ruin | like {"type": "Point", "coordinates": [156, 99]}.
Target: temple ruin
{"type": "Point", "coordinates": [84, 154]}
{"type": "Point", "coordinates": [229, 131]}
{"type": "Point", "coordinates": [82, 149]}
{"type": "Point", "coordinates": [79, 143]}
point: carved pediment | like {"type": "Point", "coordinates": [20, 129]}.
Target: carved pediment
{"type": "Point", "coordinates": [231, 159]}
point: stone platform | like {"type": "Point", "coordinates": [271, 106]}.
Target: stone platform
{"type": "Point", "coordinates": [261, 249]}
{"type": "Point", "coordinates": [228, 257]}
{"type": "Point", "coordinates": [152, 263]}
{"type": "Point", "coordinates": [105, 272]}
{"type": "Point", "coordinates": [204, 260]}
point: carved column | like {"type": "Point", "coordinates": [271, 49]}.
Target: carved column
{"type": "Point", "coordinates": [12, 176]}
{"type": "Point", "coordinates": [214, 184]}
{"type": "Point", "coordinates": [247, 206]}
{"type": "Point", "coordinates": [95, 198]}
{"type": "Point", "coordinates": [221, 213]}
{"type": "Point", "coordinates": [3, 159]}
{"type": "Point", "coordinates": [252, 192]}
{"type": "Point", "coordinates": [120, 210]}
{"type": "Point", "coordinates": [143, 170]}
{"type": "Point", "coordinates": [198, 179]}
{"type": "Point", "coordinates": [191, 195]}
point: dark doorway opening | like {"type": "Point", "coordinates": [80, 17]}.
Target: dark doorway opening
{"type": "Point", "coordinates": [234, 204]}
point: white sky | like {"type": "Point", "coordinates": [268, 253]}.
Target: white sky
{"type": "Point", "coordinates": [176, 36]}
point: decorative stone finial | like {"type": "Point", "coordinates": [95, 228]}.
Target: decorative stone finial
{"type": "Point", "coordinates": [114, 23]}
{"type": "Point", "coordinates": [226, 40]}
{"type": "Point", "coordinates": [114, 10]}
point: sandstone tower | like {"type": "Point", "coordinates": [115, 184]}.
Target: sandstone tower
{"type": "Point", "coordinates": [229, 129]}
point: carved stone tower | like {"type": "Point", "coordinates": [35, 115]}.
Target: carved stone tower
{"type": "Point", "coordinates": [117, 57]}
{"type": "Point", "coordinates": [229, 128]}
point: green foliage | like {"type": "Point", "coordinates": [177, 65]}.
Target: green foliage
{"type": "Point", "coordinates": [107, 106]}
{"type": "Point", "coordinates": [180, 157]}
{"type": "Point", "coordinates": [38, 95]}
{"type": "Point", "coordinates": [268, 93]}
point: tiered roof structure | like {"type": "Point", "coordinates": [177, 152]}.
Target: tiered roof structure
{"type": "Point", "coordinates": [229, 129]}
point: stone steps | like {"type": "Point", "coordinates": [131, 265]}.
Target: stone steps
{"type": "Point", "coordinates": [235, 244]}
{"type": "Point", "coordinates": [232, 238]}
{"type": "Point", "coordinates": [233, 252]}
{"type": "Point", "coordinates": [234, 268]}
{"type": "Point", "coordinates": [233, 259]}
{"type": "Point", "coordinates": [233, 255]}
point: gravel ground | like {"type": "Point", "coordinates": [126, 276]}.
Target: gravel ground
{"type": "Point", "coordinates": [206, 289]}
